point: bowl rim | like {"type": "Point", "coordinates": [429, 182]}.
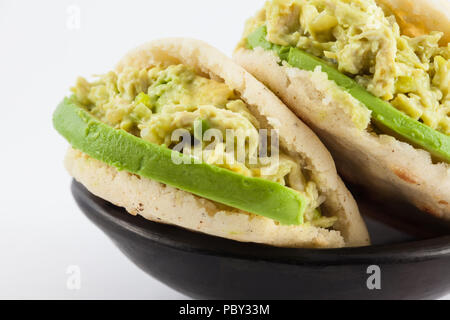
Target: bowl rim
{"type": "Point", "coordinates": [107, 216]}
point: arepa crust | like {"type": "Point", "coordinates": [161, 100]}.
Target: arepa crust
{"type": "Point", "coordinates": [388, 167]}
{"type": "Point", "coordinates": [419, 17]}
{"type": "Point", "coordinates": [164, 204]}
{"type": "Point", "coordinates": [161, 203]}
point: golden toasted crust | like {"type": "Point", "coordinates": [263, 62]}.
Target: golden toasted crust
{"type": "Point", "coordinates": [389, 167]}
{"type": "Point", "coordinates": [189, 211]}
{"type": "Point", "coordinates": [419, 17]}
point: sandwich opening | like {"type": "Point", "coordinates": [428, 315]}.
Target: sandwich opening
{"type": "Point", "coordinates": [187, 110]}
{"type": "Point", "coordinates": [404, 81]}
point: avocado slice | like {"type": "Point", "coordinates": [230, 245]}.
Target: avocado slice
{"type": "Point", "coordinates": [135, 155]}
{"type": "Point", "coordinates": [384, 115]}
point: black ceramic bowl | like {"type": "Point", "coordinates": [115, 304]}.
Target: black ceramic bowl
{"type": "Point", "coordinates": [413, 257]}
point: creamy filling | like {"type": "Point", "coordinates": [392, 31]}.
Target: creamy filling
{"type": "Point", "coordinates": [361, 41]}
{"type": "Point", "coordinates": [153, 103]}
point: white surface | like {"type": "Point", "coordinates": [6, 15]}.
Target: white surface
{"type": "Point", "coordinates": [42, 232]}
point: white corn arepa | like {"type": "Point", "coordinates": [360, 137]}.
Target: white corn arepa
{"type": "Point", "coordinates": [388, 167]}
{"type": "Point", "coordinates": [161, 203]}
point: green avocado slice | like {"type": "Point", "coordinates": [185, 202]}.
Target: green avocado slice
{"type": "Point", "coordinates": [135, 155]}
{"type": "Point", "coordinates": [385, 116]}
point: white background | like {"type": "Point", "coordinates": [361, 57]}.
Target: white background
{"type": "Point", "coordinates": [42, 232]}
